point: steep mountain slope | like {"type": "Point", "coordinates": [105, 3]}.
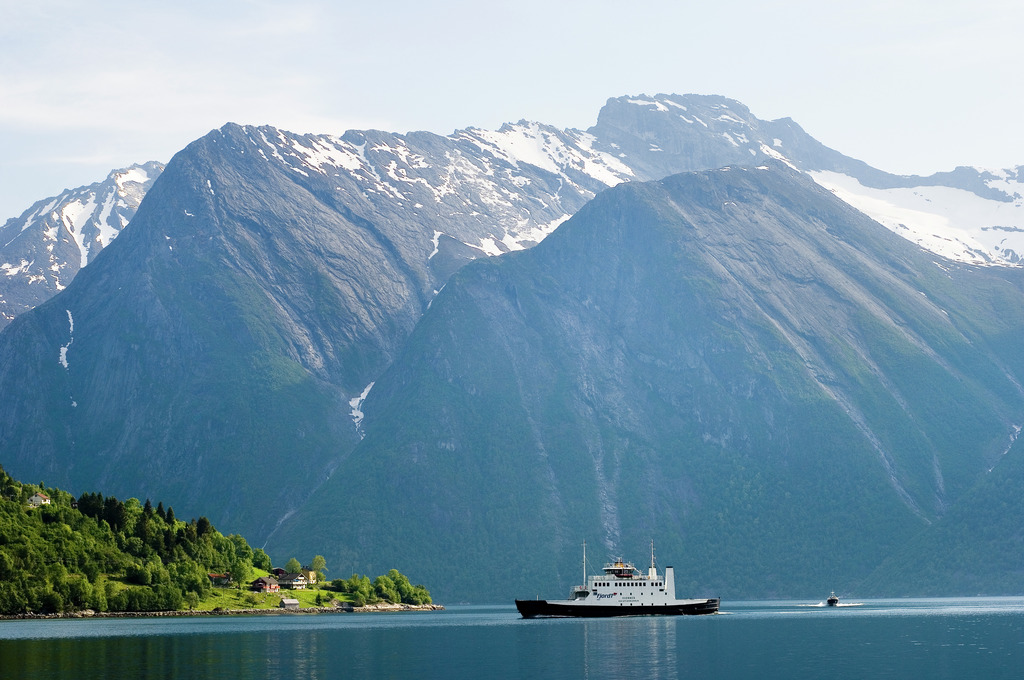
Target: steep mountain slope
{"type": "Point", "coordinates": [974, 549]}
{"type": "Point", "coordinates": [770, 385]}
{"type": "Point", "coordinates": [265, 282]}
{"type": "Point", "coordinates": [42, 251]}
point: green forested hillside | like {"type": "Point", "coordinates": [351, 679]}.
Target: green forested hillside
{"type": "Point", "coordinates": [108, 555]}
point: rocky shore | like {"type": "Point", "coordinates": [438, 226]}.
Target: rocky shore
{"type": "Point", "coordinates": [341, 609]}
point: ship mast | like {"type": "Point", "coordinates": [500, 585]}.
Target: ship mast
{"type": "Point", "coordinates": [584, 563]}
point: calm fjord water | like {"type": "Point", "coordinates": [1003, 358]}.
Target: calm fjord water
{"type": "Point", "coordinates": [947, 638]}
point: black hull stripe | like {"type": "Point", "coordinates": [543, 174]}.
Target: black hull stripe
{"type": "Point", "coordinates": [534, 608]}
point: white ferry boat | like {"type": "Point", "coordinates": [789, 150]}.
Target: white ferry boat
{"type": "Point", "coordinates": [622, 590]}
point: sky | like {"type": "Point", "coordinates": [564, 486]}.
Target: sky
{"type": "Point", "coordinates": [908, 86]}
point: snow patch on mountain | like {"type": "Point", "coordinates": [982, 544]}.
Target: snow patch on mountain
{"type": "Point", "coordinates": [437, 242]}
{"type": "Point", "coordinates": [107, 231]}
{"type": "Point", "coordinates": [521, 143]}
{"type": "Point", "coordinates": [14, 269]}
{"type": "Point", "coordinates": [75, 215]}
{"type": "Point", "coordinates": [129, 179]}
{"type": "Point", "coordinates": [71, 338]}
{"type": "Point", "coordinates": [955, 223]}
{"type": "Point", "coordinates": [356, 404]}
{"type": "Point", "coordinates": [550, 149]}
{"type": "Point", "coordinates": [649, 102]}
{"type": "Point", "coordinates": [531, 236]}
{"type": "Point", "coordinates": [329, 152]}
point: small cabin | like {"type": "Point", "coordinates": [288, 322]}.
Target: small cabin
{"type": "Point", "coordinates": [289, 603]}
{"type": "Point", "coordinates": [38, 499]}
{"type": "Point", "coordinates": [220, 579]}
{"type": "Point", "coordinates": [266, 584]}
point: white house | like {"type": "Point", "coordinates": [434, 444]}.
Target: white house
{"type": "Point", "coordinates": [38, 499]}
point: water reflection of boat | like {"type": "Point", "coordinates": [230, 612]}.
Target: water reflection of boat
{"type": "Point", "coordinates": [622, 590]}
{"type": "Point", "coordinates": [833, 600]}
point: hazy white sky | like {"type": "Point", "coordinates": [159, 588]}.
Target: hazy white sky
{"type": "Point", "coordinates": [909, 86]}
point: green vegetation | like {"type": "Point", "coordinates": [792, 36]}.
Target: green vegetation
{"type": "Point", "coordinates": [106, 555]}
{"type": "Point", "coordinates": [394, 587]}
{"type": "Point", "coordinates": [109, 555]}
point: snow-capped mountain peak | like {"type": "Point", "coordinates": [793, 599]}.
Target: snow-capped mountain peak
{"type": "Point", "coordinates": [42, 250]}
{"type": "Point", "coordinates": [489, 192]}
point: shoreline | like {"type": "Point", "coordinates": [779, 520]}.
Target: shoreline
{"type": "Point", "coordinates": [89, 614]}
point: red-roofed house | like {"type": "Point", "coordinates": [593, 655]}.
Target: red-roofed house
{"type": "Point", "coordinates": [266, 584]}
{"type": "Point", "coordinates": [39, 499]}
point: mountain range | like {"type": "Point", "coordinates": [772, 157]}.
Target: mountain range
{"type": "Point", "coordinates": [969, 214]}
{"type": "Point", "coordinates": [732, 361]}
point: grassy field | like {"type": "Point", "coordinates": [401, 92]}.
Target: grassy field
{"type": "Point", "coordinates": [232, 597]}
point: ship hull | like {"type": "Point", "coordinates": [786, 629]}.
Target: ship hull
{"type": "Point", "coordinates": [530, 609]}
